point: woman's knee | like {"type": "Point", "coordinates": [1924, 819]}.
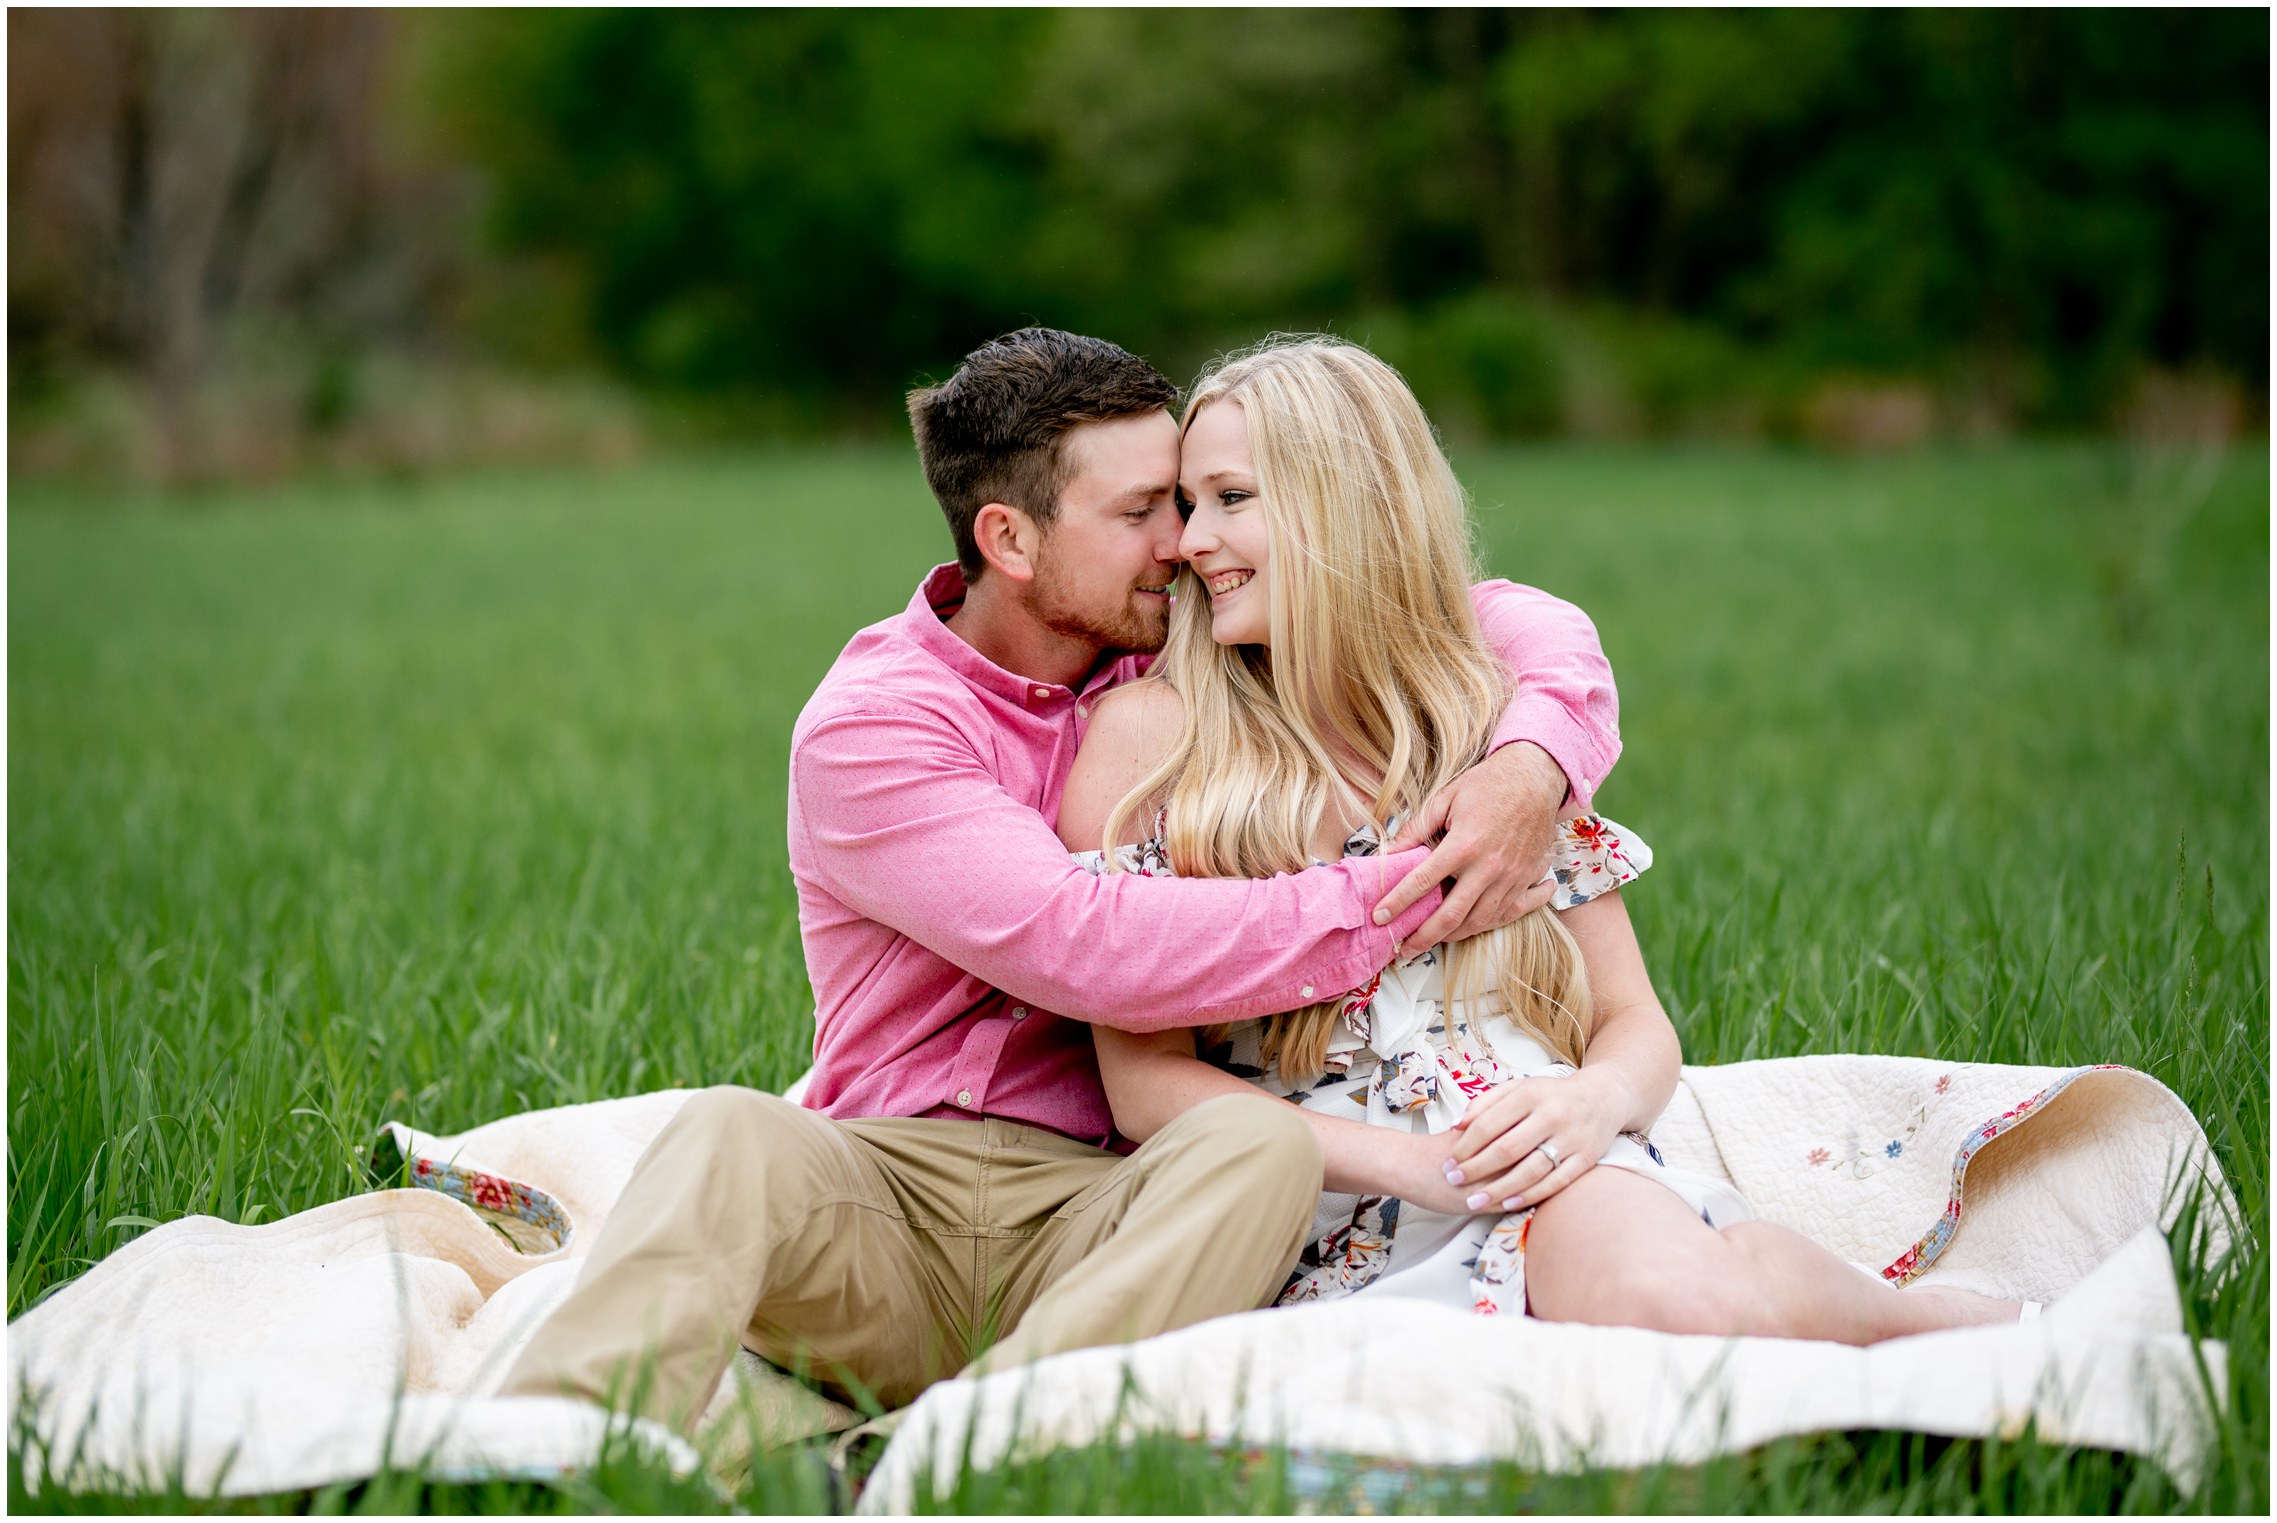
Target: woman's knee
{"type": "Point", "coordinates": [1721, 1306]}
{"type": "Point", "coordinates": [1695, 1297]}
{"type": "Point", "coordinates": [1616, 1250]}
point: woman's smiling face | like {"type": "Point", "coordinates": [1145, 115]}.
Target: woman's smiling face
{"type": "Point", "coordinates": [1225, 539]}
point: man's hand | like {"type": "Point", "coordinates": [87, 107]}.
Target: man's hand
{"type": "Point", "coordinates": [1494, 825]}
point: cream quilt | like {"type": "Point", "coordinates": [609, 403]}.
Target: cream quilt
{"type": "Point", "coordinates": [371, 1331]}
{"type": "Point", "coordinates": [2049, 1184]}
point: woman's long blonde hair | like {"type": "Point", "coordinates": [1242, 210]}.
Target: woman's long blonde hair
{"type": "Point", "coordinates": [1378, 688]}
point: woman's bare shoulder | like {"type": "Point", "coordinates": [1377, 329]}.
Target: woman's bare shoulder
{"type": "Point", "coordinates": [1132, 729]}
{"type": "Point", "coordinates": [1147, 708]}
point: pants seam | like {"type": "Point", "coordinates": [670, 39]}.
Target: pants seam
{"type": "Point", "coordinates": [976, 1274]}
{"type": "Point", "coordinates": [855, 1198]}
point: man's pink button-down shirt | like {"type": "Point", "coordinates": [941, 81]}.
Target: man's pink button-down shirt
{"type": "Point", "coordinates": [957, 953]}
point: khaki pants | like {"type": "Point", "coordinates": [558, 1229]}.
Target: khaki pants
{"type": "Point", "coordinates": [880, 1255]}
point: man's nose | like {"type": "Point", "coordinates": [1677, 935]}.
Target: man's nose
{"type": "Point", "coordinates": [1195, 540]}
{"type": "Point", "coordinates": [1166, 542]}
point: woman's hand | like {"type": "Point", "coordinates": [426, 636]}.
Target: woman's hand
{"type": "Point", "coordinates": [1499, 1163]}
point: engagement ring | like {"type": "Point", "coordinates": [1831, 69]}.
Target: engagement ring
{"type": "Point", "coordinates": [1553, 1152]}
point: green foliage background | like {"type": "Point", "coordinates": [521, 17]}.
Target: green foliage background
{"type": "Point", "coordinates": [2022, 207]}
{"type": "Point", "coordinates": [253, 245]}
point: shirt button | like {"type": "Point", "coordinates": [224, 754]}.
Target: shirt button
{"type": "Point", "coordinates": [1019, 1012]}
{"type": "Point", "coordinates": [1043, 692]}
{"type": "Point", "coordinates": [1082, 711]}
{"type": "Point", "coordinates": [1306, 991]}
{"type": "Point", "coordinates": [964, 1097]}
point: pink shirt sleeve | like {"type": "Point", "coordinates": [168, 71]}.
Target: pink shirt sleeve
{"type": "Point", "coordinates": [1565, 701]}
{"type": "Point", "coordinates": [908, 827]}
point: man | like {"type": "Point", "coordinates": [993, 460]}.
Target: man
{"type": "Point", "coordinates": [950, 1187]}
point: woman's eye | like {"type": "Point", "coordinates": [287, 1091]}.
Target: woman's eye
{"type": "Point", "coordinates": [1232, 495]}
{"type": "Point", "coordinates": [1185, 506]}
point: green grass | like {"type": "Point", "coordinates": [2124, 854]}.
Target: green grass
{"type": "Point", "coordinates": [446, 801]}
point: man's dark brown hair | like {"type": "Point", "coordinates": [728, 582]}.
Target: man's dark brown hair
{"type": "Point", "coordinates": [992, 432]}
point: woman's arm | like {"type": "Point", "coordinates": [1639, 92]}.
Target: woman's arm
{"type": "Point", "coordinates": [1153, 1078]}
{"type": "Point", "coordinates": [1626, 1077]}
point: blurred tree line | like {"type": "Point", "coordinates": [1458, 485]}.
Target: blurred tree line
{"type": "Point", "coordinates": [1852, 224]}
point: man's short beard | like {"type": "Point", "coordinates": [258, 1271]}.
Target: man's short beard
{"type": "Point", "coordinates": [1124, 628]}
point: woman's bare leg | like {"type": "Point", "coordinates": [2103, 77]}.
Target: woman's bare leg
{"type": "Point", "coordinates": [1617, 1249]}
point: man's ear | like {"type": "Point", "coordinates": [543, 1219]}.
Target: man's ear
{"type": "Point", "coordinates": [1008, 539]}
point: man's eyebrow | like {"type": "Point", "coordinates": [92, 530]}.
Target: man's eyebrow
{"type": "Point", "coordinates": [1141, 491]}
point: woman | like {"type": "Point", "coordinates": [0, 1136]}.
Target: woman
{"type": "Point", "coordinates": [1324, 675]}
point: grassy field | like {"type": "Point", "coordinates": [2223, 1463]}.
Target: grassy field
{"type": "Point", "coordinates": [444, 801]}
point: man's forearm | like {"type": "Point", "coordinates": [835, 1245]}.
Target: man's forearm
{"type": "Point", "coordinates": [927, 843]}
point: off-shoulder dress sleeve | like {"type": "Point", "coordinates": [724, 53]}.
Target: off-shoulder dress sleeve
{"type": "Point", "coordinates": [1594, 855]}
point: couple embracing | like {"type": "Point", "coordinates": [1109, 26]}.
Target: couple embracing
{"type": "Point", "coordinates": [1204, 911]}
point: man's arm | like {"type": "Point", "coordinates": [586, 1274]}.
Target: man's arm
{"type": "Point", "coordinates": [904, 823]}
{"type": "Point", "coordinates": [1555, 743]}
{"type": "Point", "coordinates": [1565, 701]}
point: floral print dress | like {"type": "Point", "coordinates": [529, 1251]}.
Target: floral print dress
{"type": "Point", "coordinates": [1401, 1057]}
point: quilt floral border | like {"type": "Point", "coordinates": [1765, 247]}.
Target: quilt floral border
{"type": "Point", "coordinates": [1916, 1261]}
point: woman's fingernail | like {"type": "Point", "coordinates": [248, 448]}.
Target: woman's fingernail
{"type": "Point", "coordinates": [1455, 1176]}
{"type": "Point", "coordinates": [1477, 1202]}
{"type": "Point", "coordinates": [1512, 1203]}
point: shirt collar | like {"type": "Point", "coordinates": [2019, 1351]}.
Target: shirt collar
{"type": "Point", "coordinates": [940, 594]}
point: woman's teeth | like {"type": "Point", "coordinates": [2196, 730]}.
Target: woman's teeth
{"type": "Point", "coordinates": [1226, 581]}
